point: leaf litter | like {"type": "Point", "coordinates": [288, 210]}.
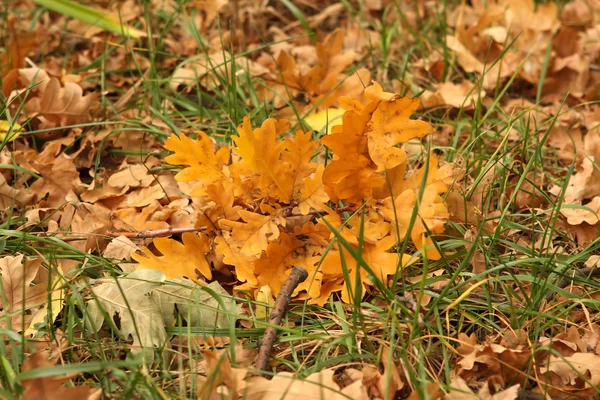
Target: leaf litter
{"type": "Point", "coordinates": [321, 164]}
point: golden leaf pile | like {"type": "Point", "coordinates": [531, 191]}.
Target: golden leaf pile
{"type": "Point", "coordinates": [263, 196]}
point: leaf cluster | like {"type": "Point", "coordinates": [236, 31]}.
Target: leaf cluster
{"type": "Point", "coordinates": [260, 198]}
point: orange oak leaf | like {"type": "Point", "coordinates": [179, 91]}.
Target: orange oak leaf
{"type": "Point", "coordinates": [442, 177]}
{"type": "Point", "coordinates": [324, 83]}
{"type": "Point", "coordinates": [260, 153]}
{"type": "Point", "coordinates": [153, 216]}
{"type": "Point", "coordinates": [178, 259]}
{"type": "Point", "coordinates": [390, 125]}
{"type": "Point", "coordinates": [271, 267]}
{"type": "Point", "coordinates": [254, 234]}
{"type": "Point", "coordinates": [221, 206]}
{"type": "Point", "coordinates": [376, 257]}
{"type": "Point", "coordinates": [244, 265]}
{"type": "Point", "coordinates": [352, 175]}
{"type": "Point", "coordinates": [432, 215]}
{"type": "Point", "coordinates": [298, 154]}
{"type": "Point", "coordinates": [202, 160]}
{"type": "Point", "coordinates": [373, 228]}
{"type": "Point", "coordinates": [52, 387]}
{"type": "Point", "coordinates": [313, 193]}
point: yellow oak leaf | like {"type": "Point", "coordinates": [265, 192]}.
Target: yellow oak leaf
{"type": "Point", "coordinates": [244, 265]}
{"type": "Point", "coordinates": [359, 180]}
{"type": "Point", "coordinates": [271, 267]}
{"type": "Point", "coordinates": [221, 198]}
{"type": "Point", "coordinates": [325, 119]}
{"type": "Point", "coordinates": [178, 259]}
{"type": "Point", "coordinates": [313, 193]}
{"type": "Point", "coordinates": [348, 140]}
{"type": "Point", "coordinates": [265, 295]}
{"type": "Point", "coordinates": [376, 257]}
{"type": "Point", "coordinates": [328, 287]}
{"type": "Point", "coordinates": [432, 215]}
{"type": "Point", "coordinates": [312, 284]}
{"type": "Point", "coordinates": [204, 163]}
{"type": "Point", "coordinates": [151, 217]}
{"type": "Point", "coordinates": [352, 175]}
{"type": "Point", "coordinates": [376, 93]}
{"type": "Point", "coordinates": [390, 125]}
{"type": "Point", "coordinates": [316, 237]}
{"type": "Point", "coordinates": [260, 153]}
{"type": "Point", "coordinates": [298, 154]}
{"type": "Point", "coordinates": [373, 227]}
{"type": "Point", "coordinates": [254, 234]}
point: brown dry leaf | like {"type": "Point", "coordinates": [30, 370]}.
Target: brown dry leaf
{"type": "Point", "coordinates": [459, 390]}
{"type": "Point", "coordinates": [570, 369]}
{"type": "Point", "coordinates": [317, 386]}
{"type": "Point", "coordinates": [151, 217]}
{"type": "Point", "coordinates": [132, 176]}
{"type": "Point", "coordinates": [214, 70]}
{"type": "Point", "coordinates": [50, 103]}
{"type": "Point", "coordinates": [17, 48]}
{"type": "Point", "coordinates": [489, 359]}
{"type": "Point", "coordinates": [462, 95]}
{"type": "Point", "coordinates": [17, 278]}
{"type": "Point", "coordinates": [120, 248]}
{"type": "Point", "coordinates": [52, 387]}
{"type": "Point", "coordinates": [59, 179]}
{"type": "Point", "coordinates": [12, 197]}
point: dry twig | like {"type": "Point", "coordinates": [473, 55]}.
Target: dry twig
{"type": "Point", "coordinates": [297, 276]}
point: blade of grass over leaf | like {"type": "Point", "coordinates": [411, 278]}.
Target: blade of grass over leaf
{"type": "Point", "coordinates": [91, 16]}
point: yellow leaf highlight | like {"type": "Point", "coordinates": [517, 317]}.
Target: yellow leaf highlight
{"type": "Point", "coordinates": [178, 259]}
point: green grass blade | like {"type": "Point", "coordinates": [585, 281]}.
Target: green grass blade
{"type": "Point", "coordinates": [91, 16]}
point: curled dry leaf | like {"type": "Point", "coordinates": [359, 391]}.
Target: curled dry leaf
{"type": "Point", "coordinates": [52, 387]}
{"type": "Point", "coordinates": [49, 102]}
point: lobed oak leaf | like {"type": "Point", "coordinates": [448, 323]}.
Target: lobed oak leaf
{"type": "Point", "coordinates": [221, 197]}
{"type": "Point", "coordinates": [312, 285]}
{"type": "Point", "coordinates": [254, 234]}
{"type": "Point", "coordinates": [128, 296]}
{"type": "Point", "coordinates": [322, 84]}
{"type": "Point", "coordinates": [375, 92]}
{"type": "Point", "coordinates": [204, 163]}
{"type": "Point", "coordinates": [59, 179]}
{"type": "Point", "coordinates": [298, 154]}
{"type": "Point", "coordinates": [52, 387]}
{"type": "Point", "coordinates": [432, 215]}
{"type": "Point", "coordinates": [270, 269]}
{"type": "Point", "coordinates": [178, 259]}
{"type": "Point", "coordinates": [131, 176]}
{"type": "Point", "coordinates": [260, 152]}
{"type": "Point", "coordinates": [151, 217]}
{"type": "Point", "coordinates": [313, 193]}
{"type": "Point", "coordinates": [390, 125]}
{"type": "Point", "coordinates": [352, 175]}
{"type": "Point", "coordinates": [244, 265]}
{"type": "Point", "coordinates": [397, 180]}
{"type": "Point", "coordinates": [328, 287]}
{"type": "Point", "coordinates": [572, 368]}
{"type": "Point", "coordinates": [320, 385]}
{"type": "Point", "coordinates": [348, 139]}
{"type": "Point", "coordinates": [51, 104]}
{"type": "Point", "coordinates": [376, 257]}
{"type": "Point", "coordinates": [20, 294]}
{"type": "Point", "coordinates": [358, 183]}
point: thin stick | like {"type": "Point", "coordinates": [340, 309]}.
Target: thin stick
{"type": "Point", "coordinates": [297, 276]}
{"type": "Point", "coordinates": [154, 233]}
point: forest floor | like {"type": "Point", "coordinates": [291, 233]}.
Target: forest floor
{"type": "Point", "coordinates": [430, 164]}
